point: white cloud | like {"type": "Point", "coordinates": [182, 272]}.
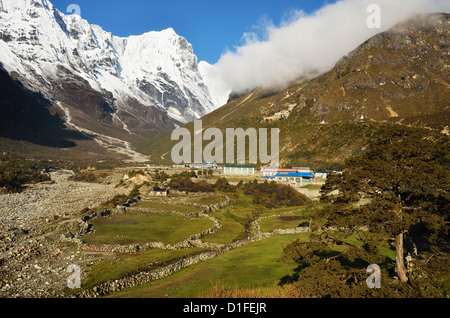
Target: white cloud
{"type": "Point", "coordinates": [218, 89]}
{"type": "Point", "coordinates": [304, 44]}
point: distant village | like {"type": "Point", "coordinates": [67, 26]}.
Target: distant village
{"type": "Point", "coordinates": [294, 176]}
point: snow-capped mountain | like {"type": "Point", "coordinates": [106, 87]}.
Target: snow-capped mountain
{"type": "Point", "coordinates": [134, 84]}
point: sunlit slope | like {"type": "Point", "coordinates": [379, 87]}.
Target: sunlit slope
{"type": "Point", "coordinates": [399, 76]}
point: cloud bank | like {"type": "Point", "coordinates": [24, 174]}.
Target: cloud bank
{"type": "Point", "coordinates": [308, 44]}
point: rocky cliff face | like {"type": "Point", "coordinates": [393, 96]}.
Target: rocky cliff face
{"type": "Point", "coordinates": [398, 74]}
{"type": "Point", "coordinates": [125, 87]}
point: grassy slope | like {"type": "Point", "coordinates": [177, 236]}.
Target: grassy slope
{"type": "Point", "coordinates": [142, 226]}
{"type": "Point", "coordinates": [253, 265]}
{"type": "Point", "coordinates": [134, 228]}
{"type": "Point", "coordinates": [125, 265]}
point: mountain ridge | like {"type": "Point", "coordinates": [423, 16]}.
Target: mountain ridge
{"type": "Point", "coordinates": [399, 76]}
{"type": "Point", "coordinates": [127, 87]}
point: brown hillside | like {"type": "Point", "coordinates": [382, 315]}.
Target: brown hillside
{"type": "Point", "coordinates": [399, 76]}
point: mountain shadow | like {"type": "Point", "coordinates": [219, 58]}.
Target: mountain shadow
{"type": "Point", "coordinates": [29, 116]}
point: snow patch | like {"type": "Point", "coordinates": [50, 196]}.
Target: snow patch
{"type": "Point", "coordinates": [106, 62]}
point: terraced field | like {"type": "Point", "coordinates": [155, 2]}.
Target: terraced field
{"type": "Point", "coordinates": [253, 265]}
{"type": "Point", "coordinates": [139, 228]}
{"type": "Point", "coordinates": [204, 239]}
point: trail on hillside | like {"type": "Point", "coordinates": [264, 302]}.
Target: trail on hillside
{"type": "Point", "coordinates": [237, 106]}
{"type": "Point", "coordinates": [110, 143]}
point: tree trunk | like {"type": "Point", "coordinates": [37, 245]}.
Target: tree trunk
{"type": "Point", "coordinates": [399, 259]}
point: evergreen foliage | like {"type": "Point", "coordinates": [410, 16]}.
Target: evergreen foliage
{"type": "Point", "coordinates": [16, 172]}
{"type": "Point", "coordinates": [396, 190]}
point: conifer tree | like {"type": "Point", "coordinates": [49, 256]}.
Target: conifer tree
{"type": "Point", "coordinates": [398, 188]}
{"type": "Point", "coordinates": [404, 176]}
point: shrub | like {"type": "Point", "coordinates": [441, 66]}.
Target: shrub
{"type": "Point", "coordinates": [273, 194]}
{"type": "Point", "coordinates": [15, 173]}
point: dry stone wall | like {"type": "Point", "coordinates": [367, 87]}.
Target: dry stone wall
{"type": "Point", "coordinates": [146, 276]}
{"type": "Point", "coordinates": [213, 250]}
{"type": "Point", "coordinates": [192, 241]}
{"type": "Point", "coordinates": [166, 270]}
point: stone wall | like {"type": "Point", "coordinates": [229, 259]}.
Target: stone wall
{"type": "Point", "coordinates": [166, 270]}
{"type": "Point", "coordinates": [192, 241]}
{"type": "Point", "coordinates": [147, 276]}
{"type": "Point", "coordinates": [213, 250]}
{"type": "Point", "coordinates": [174, 200]}
{"type": "Point", "coordinates": [176, 265]}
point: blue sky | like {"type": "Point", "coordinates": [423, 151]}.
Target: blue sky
{"type": "Point", "coordinates": [211, 26]}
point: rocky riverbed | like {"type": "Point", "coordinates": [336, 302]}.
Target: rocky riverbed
{"type": "Point", "coordinates": [32, 262]}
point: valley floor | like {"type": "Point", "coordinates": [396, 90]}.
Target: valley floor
{"type": "Point", "coordinates": [31, 265]}
{"type": "Point", "coordinates": [35, 254]}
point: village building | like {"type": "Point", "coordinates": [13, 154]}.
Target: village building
{"type": "Point", "coordinates": [156, 191]}
{"type": "Point", "coordinates": [302, 169]}
{"type": "Point", "coordinates": [203, 165]}
{"type": "Point", "coordinates": [244, 170]}
{"type": "Point", "coordinates": [320, 175]}
{"type": "Point", "coordinates": [294, 179]}
{"type": "Point", "coordinates": [270, 173]}
{"type": "Point", "coordinates": [180, 165]}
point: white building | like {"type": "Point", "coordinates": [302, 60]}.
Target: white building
{"type": "Point", "coordinates": [303, 169]}
{"type": "Point", "coordinates": [244, 170]}
{"type": "Point", "coordinates": [321, 175]}
{"type": "Point", "coordinates": [268, 172]}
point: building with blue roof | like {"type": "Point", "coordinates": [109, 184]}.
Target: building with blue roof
{"type": "Point", "coordinates": [295, 179]}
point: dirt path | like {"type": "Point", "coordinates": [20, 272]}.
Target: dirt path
{"type": "Point", "coordinates": [109, 143]}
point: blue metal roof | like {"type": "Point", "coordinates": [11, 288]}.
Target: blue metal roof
{"type": "Point", "coordinates": [296, 174]}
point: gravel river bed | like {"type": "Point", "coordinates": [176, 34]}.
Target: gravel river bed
{"type": "Point", "coordinates": [33, 261]}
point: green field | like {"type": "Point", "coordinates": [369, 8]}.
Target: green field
{"type": "Point", "coordinates": [235, 219]}
{"type": "Point", "coordinates": [125, 265]}
{"type": "Point", "coordinates": [253, 265]}
{"type": "Point", "coordinates": [281, 222]}
{"type": "Point", "coordinates": [230, 231]}
{"type": "Point", "coordinates": [135, 228]}
{"type": "Point", "coordinates": [155, 205]}
{"type": "Point", "coordinates": [206, 199]}
{"type": "Point", "coordinates": [284, 218]}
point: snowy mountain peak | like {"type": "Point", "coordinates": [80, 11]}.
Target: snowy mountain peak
{"type": "Point", "coordinates": [156, 69]}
